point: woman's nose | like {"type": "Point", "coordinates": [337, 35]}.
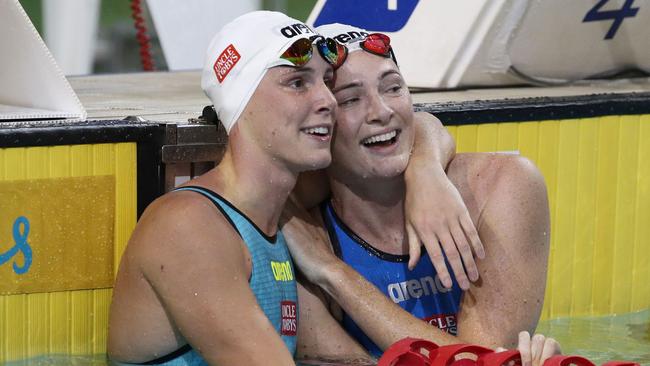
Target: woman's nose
{"type": "Point", "coordinates": [378, 111]}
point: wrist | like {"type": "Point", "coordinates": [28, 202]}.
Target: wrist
{"type": "Point", "coordinates": [331, 275]}
{"type": "Point", "coordinates": [418, 169]}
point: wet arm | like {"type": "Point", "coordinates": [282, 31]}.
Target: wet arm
{"type": "Point", "coordinates": [433, 145]}
{"type": "Point", "coordinates": [436, 215]}
{"type": "Point", "coordinates": [381, 319]}
{"type": "Point", "coordinates": [514, 225]}
{"type": "Point", "coordinates": [320, 336]}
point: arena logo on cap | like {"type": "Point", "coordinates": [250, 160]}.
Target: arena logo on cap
{"type": "Point", "coordinates": [297, 29]}
{"type": "Point", "coordinates": [350, 36]}
{"type": "Point", "coordinates": [226, 62]}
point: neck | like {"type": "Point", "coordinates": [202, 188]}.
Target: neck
{"type": "Point", "coordinates": [254, 182]}
{"type": "Point", "coordinates": [373, 209]}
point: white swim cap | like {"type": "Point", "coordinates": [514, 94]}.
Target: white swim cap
{"type": "Point", "coordinates": [239, 55]}
{"type": "Point", "coordinates": [344, 34]}
{"type": "Point", "coordinates": [351, 37]}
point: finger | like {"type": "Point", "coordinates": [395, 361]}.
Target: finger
{"type": "Point", "coordinates": [454, 259]}
{"type": "Point", "coordinates": [536, 347]}
{"type": "Point", "coordinates": [414, 246]}
{"type": "Point", "coordinates": [524, 348]}
{"type": "Point", "coordinates": [465, 251]}
{"type": "Point", "coordinates": [438, 261]}
{"type": "Point", "coordinates": [472, 234]}
{"type": "Point", "coordinates": [551, 348]}
{"type": "Point", "coordinates": [500, 349]}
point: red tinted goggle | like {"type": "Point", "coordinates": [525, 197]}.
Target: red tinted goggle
{"type": "Point", "coordinates": [378, 44]}
{"type": "Point", "coordinates": [301, 51]}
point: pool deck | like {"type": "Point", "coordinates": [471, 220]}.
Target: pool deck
{"type": "Point", "coordinates": [176, 97]}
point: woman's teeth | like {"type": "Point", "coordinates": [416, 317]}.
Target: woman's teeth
{"type": "Point", "coordinates": [379, 138]}
{"type": "Point", "coordinates": [317, 131]}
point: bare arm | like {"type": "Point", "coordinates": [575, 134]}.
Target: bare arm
{"type": "Point", "coordinates": [450, 230]}
{"type": "Point", "coordinates": [514, 222]}
{"type": "Point", "coordinates": [200, 273]}
{"type": "Point", "coordinates": [433, 145]}
{"type": "Point", "coordinates": [319, 334]}
{"type": "Point", "coordinates": [381, 319]}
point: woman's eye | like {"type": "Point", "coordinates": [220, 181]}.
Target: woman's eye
{"type": "Point", "coordinates": [395, 88]}
{"type": "Point", "coordinates": [348, 101]}
{"type": "Point", "coordinates": [297, 83]}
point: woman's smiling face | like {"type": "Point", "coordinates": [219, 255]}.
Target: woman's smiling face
{"type": "Point", "coordinates": [374, 118]}
{"type": "Point", "coordinates": [291, 114]}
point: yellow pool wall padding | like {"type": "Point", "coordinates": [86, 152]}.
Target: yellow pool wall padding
{"type": "Point", "coordinates": [597, 172]}
{"type": "Point", "coordinates": [67, 322]}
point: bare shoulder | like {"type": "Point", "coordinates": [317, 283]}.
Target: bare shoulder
{"type": "Point", "coordinates": [180, 225]}
{"type": "Point", "coordinates": [427, 117]}
{"type": "Point", "coordinates": [483, 173]}
{"type": "Point", "coordinates": [171, 255]}
{"type": "Point", "coordinates": [493, 166]}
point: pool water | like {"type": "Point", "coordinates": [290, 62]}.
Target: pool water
{"type": "Point", "coordinates": [62, 360]}
{"type": "Point", "coordinates": [600, 339]}
{"type": "Point", "coordinates": [100, 360]}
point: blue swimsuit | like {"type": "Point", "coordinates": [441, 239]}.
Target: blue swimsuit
{"type": "Point", "coordinates": [419, 291]}
{"type": "Point", "coordinates": [272, 280]}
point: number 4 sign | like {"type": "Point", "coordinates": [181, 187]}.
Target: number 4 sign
{"type": "Point", "coordinates": [595, 15]}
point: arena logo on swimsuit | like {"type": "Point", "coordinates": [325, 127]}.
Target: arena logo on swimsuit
{"type": "Point", "coordinates": [416, 288]}
{"type": "Point", "coordinates": [282, 271]}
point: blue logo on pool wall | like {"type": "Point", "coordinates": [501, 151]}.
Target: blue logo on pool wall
{"type": "Point", "coordinates": [20, 233]}
{"type": "Point", "coordinates": [372, 15]}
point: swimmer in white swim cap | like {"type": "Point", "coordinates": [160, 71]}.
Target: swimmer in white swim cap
{"type": "Point", "coordinates": [206, 277]}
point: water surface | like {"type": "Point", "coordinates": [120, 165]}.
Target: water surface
{"type": "Point", "coordinates": [600, 339]}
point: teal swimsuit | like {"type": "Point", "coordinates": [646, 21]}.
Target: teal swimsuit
{"type": "Point", "coordinates": [272, 280]}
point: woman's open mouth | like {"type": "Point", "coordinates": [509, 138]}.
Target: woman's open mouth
{"type": "Point", "coordinates": [381, 140]}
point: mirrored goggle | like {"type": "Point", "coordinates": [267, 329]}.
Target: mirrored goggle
{"type": "Point", "coordinates": [301, 51]}
{"type": "Point", "coordinates": [378, 44]}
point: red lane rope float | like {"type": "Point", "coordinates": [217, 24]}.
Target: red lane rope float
{"type": "Point", "coordinates": [408, 351]}
{"type": "Point", "coordinates": [446, 355]}
{"type": "Point", "coordinates": [418, 352]}
{"type": "Point", "coordinates": [141, 35]}
{"type": "Point", "coordinates": [500, 358]}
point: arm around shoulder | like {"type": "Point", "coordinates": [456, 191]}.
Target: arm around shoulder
{"type": "Point", "coordinates": [450, 231]}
